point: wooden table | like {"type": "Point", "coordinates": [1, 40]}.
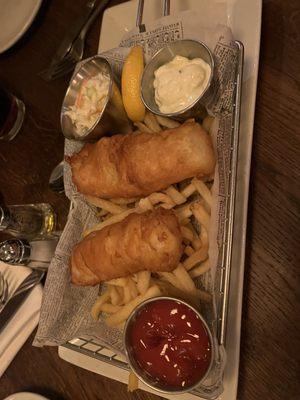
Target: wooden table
{"type": "Point", "coordinates": [270, 326]}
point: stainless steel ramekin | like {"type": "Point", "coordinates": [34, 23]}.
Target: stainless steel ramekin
{"type": "Point", "coordinates": [112, 119]}
{"type": "Point", "coordinates": [140, 373]}
{"type": "Point", "coordinates": [186, 48]}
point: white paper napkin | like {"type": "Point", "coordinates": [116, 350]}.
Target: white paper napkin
{"type": "Point", "coordinates": [16, 332]}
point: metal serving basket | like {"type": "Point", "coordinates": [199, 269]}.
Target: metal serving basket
{"type": "Point", "coordinates": [213, 386]}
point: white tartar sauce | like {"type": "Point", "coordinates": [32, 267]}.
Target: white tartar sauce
{"type": "Point", "coordinates": [89, 103]}
{"type": "Point", "coordinates": [179, 83]}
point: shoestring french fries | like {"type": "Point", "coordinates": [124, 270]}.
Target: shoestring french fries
{"type": "Point", "coordinates": [191, 202]}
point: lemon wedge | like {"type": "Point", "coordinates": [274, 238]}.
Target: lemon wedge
{"type": "Point", "coordinates": [131, 84]}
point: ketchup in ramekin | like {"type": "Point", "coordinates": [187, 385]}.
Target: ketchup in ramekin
{"type": "Point", "coordinates": [168, 344]}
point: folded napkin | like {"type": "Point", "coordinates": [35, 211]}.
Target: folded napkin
{"type": "Point", "coordinates": [20, 326]}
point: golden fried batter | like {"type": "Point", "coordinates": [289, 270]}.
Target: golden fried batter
{"type": "Point", "coordinates": [149, 241]}
{"type": "Point", "coordinates": [135, 165]}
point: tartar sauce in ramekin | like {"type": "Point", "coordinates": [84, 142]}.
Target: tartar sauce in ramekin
{"type": "Point", "coordinates": [179, 83]}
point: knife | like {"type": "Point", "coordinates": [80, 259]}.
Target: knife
{"type": "Point", "coordinates": [15, 303]}
{"type": "Point", "coordinates": [73, 32]}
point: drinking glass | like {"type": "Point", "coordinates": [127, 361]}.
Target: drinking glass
{"type": "Point", "coordinates": [12, 111]}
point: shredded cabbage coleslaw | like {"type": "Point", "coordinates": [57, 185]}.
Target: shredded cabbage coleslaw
{"type": "Point", "coordinates": [89, 103]}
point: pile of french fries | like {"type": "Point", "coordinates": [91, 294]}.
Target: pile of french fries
{"type": "Point", "coordinates": [191, 201]}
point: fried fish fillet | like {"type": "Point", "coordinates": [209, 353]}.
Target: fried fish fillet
{"type": "Point", "coordinates": [148, 241]}
{"type": "Point", "coordinates": [135, 165]}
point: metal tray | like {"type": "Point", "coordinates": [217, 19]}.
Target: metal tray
{"type": "Point", "coordinates": [96, 351]}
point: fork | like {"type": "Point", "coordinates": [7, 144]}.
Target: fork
{"type": "Point", "coordinates": [75, 53]}
{"type": "Point", "coordinates": [29, 282]}
{"type": "Point", "coordinates": [3, 288]}
{"type": "Point", "coordinates": [140, 11]}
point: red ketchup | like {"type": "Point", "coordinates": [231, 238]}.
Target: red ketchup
{"type": "Point", "coordinates": [170, 342]}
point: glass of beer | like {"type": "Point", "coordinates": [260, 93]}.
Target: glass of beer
{"type": "Point", "coordinates": [12, 111]}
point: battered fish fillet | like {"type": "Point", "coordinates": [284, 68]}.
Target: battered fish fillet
{"type": "Point", "coordinates": [149, 241]}
{"type": "Point", "coordinates": [135, 165]}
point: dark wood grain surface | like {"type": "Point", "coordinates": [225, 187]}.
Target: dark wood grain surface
{"type": "Point", "coordinates": [269, 364]}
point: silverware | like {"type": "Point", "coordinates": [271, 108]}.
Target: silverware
{"type": "Point", "coordinates": [16, 301]}
{"type": "Point", "coordinates": [73, 32]}
{"type": "Point", "coordinates": [56, 180]}
{"type": "Point", "coordinates": [140, 11]}
{"type": "Point", "coordinates": [75, 53]}
{"type": "Point", "coordinates": [3, 288]}
{"type": "Point", "coordinates": [166, 7]}
{"type": "Point", "coordinates": [139, 16]}
{"type": "Point", "coordinates": [29, 282]}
